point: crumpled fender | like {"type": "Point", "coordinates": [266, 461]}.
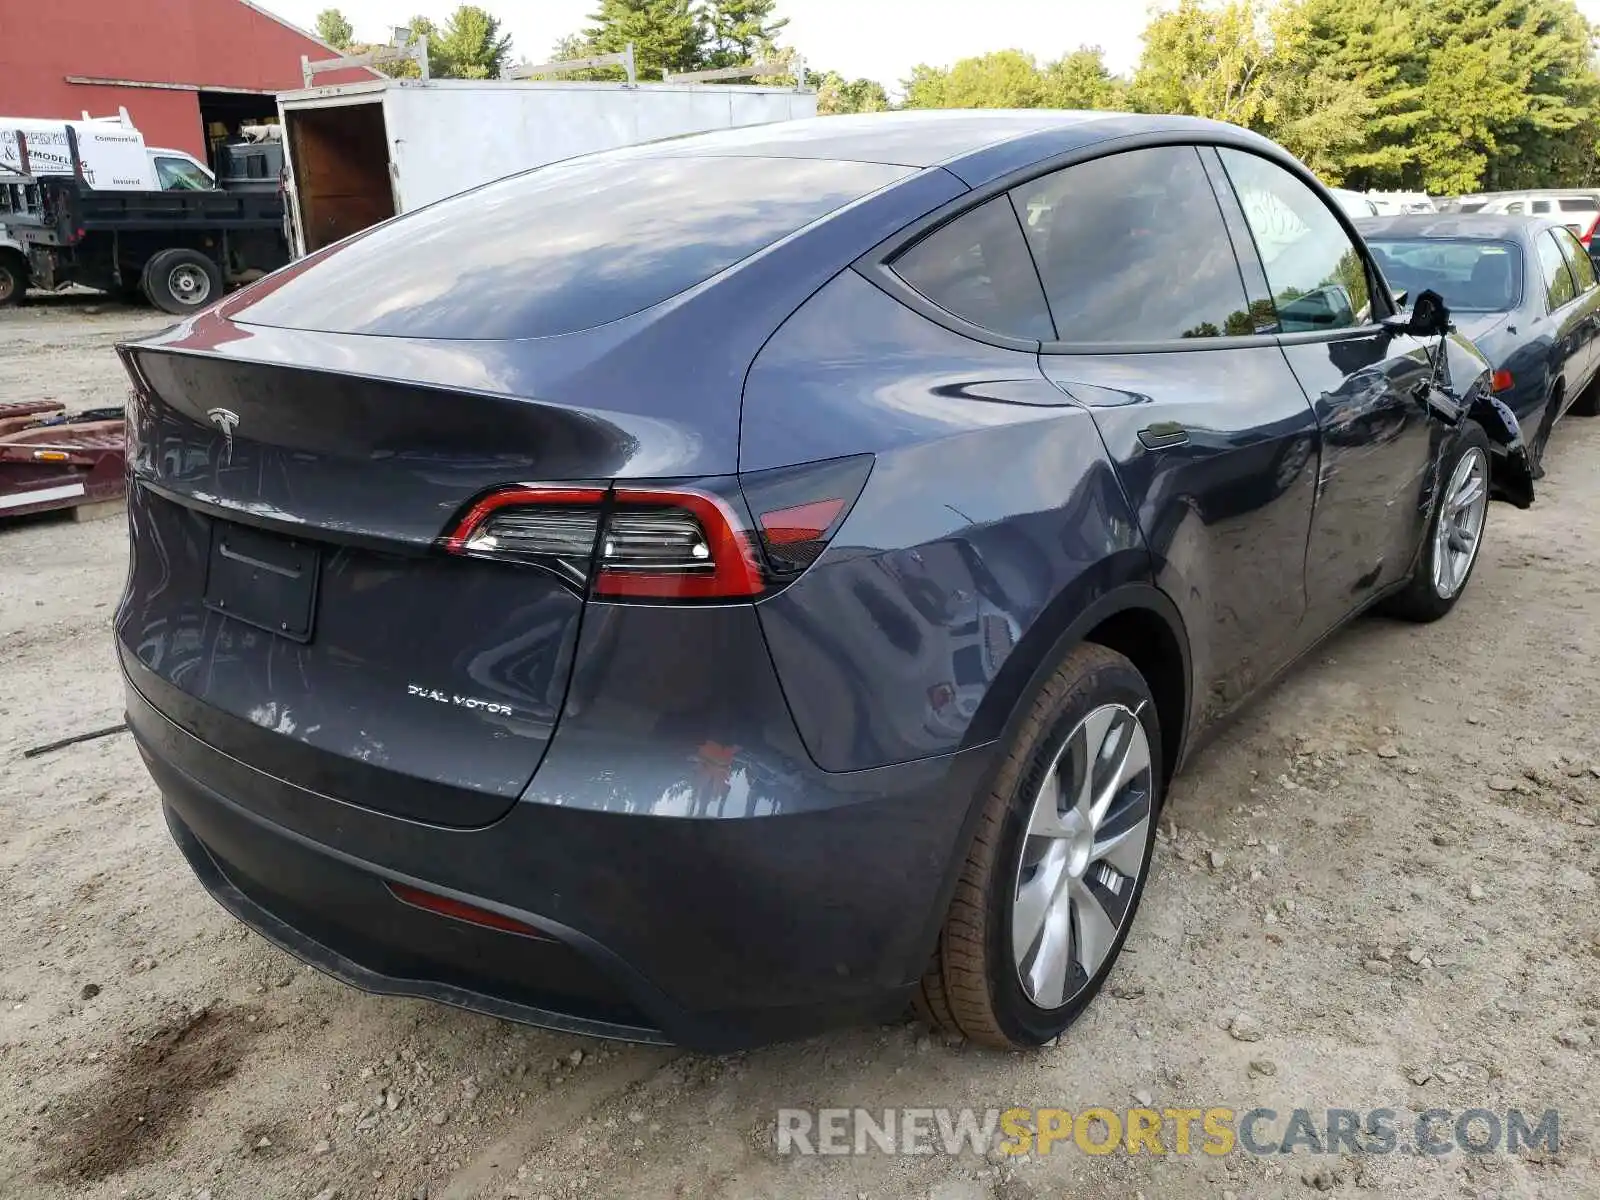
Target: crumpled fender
{"type": "Point", "coordinates": [1510, 467]}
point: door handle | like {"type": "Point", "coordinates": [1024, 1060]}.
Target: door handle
{"type": "Point", "coordinates": [1163, 435]}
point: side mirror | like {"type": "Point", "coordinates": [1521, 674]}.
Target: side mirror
{"type": "Point", "coordinates": [1428, 317]}
{"type": "Point", "coordinates": [1400, 297]}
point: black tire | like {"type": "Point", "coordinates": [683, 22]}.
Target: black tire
{"type": "Point", "coordinates": [13, 278]}
{"type": "Point", "coordinates": [1423, 600]}
{"type": "Point", "coordinates": [973, 986]}
{"type": "Point", "coordinates": [181, 281]}
{"type": "Point", "coordinates": [1588, 402]}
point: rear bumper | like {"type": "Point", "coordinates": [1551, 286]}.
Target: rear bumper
{"type": "Point", "coordinates": [716, 933]}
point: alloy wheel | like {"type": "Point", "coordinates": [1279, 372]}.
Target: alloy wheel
{"type": "Point", "coordinates": [1082, 855]}
{"type": "Point", "coordinates": [1459, 531]}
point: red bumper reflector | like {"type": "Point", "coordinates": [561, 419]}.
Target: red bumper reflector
{"type": "Point", "coordinates": [802, 523]}
{"type": "Point", "coordinates": [1501, 381]}
{"type": "Point", "coordinates": [462, 911]}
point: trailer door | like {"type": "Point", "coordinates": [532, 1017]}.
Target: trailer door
{"type": "Point", "coordinates": [339, 169]}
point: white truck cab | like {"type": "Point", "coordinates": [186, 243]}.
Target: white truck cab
{"type": "Point", "coordinates": [114, 158]}
{"type": "Point", "coordinates": [112, 152]}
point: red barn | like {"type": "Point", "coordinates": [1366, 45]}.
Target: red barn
{"type": "Point", "coordinates": [187, 71]}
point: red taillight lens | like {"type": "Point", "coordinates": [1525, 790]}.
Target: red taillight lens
{"type": "Point", "coordinates": [668, 542]}
{"type": "Point", "coordinates": [1501, 381]}
{"type": "Point", "coordinates": [802, 523]}
{"type": "Point", "coordinates": [799, 509]}
{"type": "Point", "coordinates": [676, 544]}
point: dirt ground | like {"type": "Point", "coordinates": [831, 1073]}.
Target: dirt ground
{"type": "Point", "coordinates": [1388, 867]}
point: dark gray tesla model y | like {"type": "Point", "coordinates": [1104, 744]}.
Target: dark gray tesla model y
{"type": "Point", "coordinates": [727, 587]}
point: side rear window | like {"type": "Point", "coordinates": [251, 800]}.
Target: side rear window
{"type": "Point", "coordinates": [1577, 259]}
{"type": "Point", "coordinates": [1558, 285]}
{"type": "Point", "coordinates": [1317, 275]}
{"type": "Point", "coordinates": [1132, 248]}
{"type": "Point", "coordinates": [1541, 206]}
{"type": "Point", "coordinates": [1580, 204]}
{"type": "Point", "coordinates": [977, 267]}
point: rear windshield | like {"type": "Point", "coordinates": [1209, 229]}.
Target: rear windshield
{"type": "Point", "coordinates": [1473, 275]}
{"type": "Point", "coordinates": [565, 247]}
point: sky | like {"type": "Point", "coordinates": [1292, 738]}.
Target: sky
{"type": "Point", "coordinates": [879, 39]}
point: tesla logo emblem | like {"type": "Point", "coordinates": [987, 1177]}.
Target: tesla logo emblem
{"type": "Point", "coordinates": [226, 420]}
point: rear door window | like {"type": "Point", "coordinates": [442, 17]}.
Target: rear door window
{"type": "Point", "coordinates": [1558, 286]}
{"type": "Point", "coordinates": [1317, 274]}
{"type": "Point", "coordinates": [977, 267]}
{"type": "Point", "coordinates": [1577, 259]}
{"type": "Point", "coordinates": [1580, 204]}
{"type": "Point", "coordinates": [1133, 248]}
{"type": "Point", "coordinates": [1541, 206]}
{"type": "Point", "coordinates": [564, 247]}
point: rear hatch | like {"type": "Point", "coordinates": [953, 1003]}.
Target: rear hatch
{"type": "Point", "coordinates": [300, 457]}
{"type": "Point", "coordinates": [285, 575]}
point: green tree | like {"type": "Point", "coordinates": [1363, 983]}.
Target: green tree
{"type": "Point", "coordinates": [1456, 94]}
{"type": "Point", "coordinates": [1319, 115]}
{"type": "Point", "coordinates": [738, 31]}
{"type": "Point", "coordinates": [1002, 79]}
{"type": "Point", "coordinates": [335, 29]}
{"type": "Point", "coordinates": [470, 46]}
{"type": "Point", "coordinates": [1361, 48]}
{"type": "Point", "coordinates": [667, 35]}
{"type": "Point", "coordinates": [836, 94]}
{"type": "Point", "coordinates": [1080, 80]}
{"type": "Point", "coordinates": [1205, 61]}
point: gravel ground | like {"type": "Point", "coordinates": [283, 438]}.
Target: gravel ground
{"type": "Point", "coordinates": [1378, 889]}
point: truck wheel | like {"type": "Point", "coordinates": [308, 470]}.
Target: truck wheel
{"type": "Point", "coordinates": [181, 281]}
{"type": "Point", "coordinates": [13, 278]}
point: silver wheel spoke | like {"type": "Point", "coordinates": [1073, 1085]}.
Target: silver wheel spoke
{"type": "Point", "coordinates": [1124, 850]}
{"type": "Point", "coordinates": [1469, 490]}
{"type": "Point", "coordinates": [1033, 903]}
{"type": "Point", "coordinates": [1093, 928]}
{"type": "Point", "coordinates": [1087, 743]}
{"type": "Point", "coordinates": [1046, 821]}
{"type": "Point", "coordinates": [1134, 762]}
{"type": "Point", "coordinates": [1047, 973]}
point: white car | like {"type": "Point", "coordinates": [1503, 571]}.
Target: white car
{"type": "Point", "coordinates": [1355, 204]}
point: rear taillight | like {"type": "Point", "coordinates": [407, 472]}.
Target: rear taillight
{"type": "Point", "coordinates": [676, 544]}
{"type": "Point", "coordinates": [669, 542]}
{"type": "Point", "coordinates": [1501, 381]}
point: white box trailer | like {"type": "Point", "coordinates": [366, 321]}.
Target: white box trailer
{"type": "Point", "coordinates": [357, 154]}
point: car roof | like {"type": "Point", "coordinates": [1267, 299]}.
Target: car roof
{"type": "Point", "coordinates": [976, 144]}
{"type": "Point", "coordinates": [1454, 225]}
